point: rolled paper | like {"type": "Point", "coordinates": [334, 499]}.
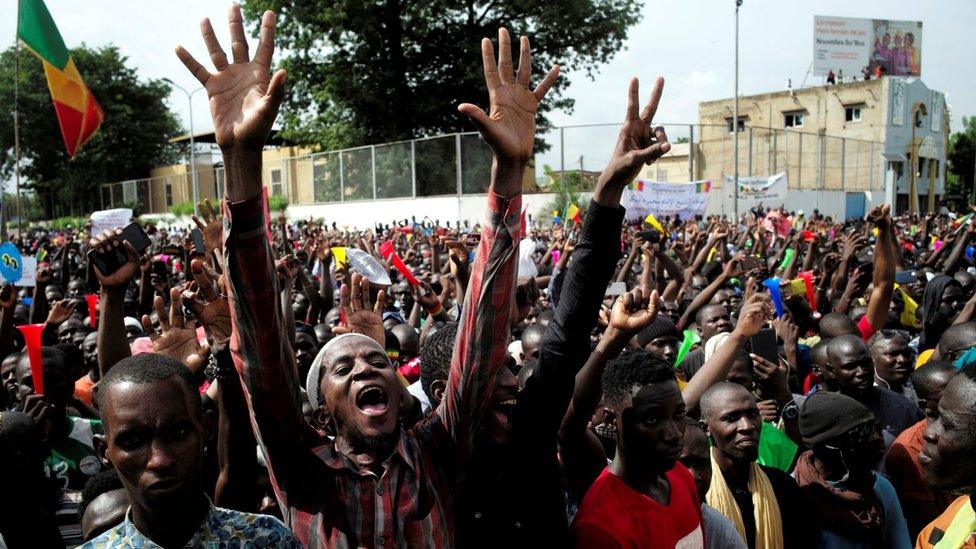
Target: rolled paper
{"type": "Point", "coordinates": [788, 258]}
{"type": "Point", "coordinates": [711, 254]}
{"type": "Point", "coordinates": [92, 300]}
{"type": "Point", "coordinates": [772, 284]}
{"type": "Point", "coordinates": [796, 287]}
{"type": "Point", "coordinates": [938, 245]}
{"type": "Point", "coordinates": [807, 277]}
{"type": "Point", "coordinates": [555, 256]}
{"type": "Point", "coordinates": [32, 335]}
{"type": "Point", "coordinates": [389, 254]}
{"type": "Point", "coordinates": [691, 337]}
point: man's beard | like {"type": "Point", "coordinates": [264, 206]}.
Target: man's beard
{"type": "Point", "coordinates": [373, 445]}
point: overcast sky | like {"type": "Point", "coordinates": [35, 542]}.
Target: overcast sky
{"type": "Point", "coordinates": [689, 43]}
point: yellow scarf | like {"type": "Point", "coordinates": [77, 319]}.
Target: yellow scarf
{"type": "Point", "coordinates": [769, 522]}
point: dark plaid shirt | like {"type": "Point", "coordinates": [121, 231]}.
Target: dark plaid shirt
{"type": "Point", "coordinates": [326, 499]}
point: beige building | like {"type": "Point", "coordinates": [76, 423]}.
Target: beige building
{"type": "Point", "coordinates": [857, 143]}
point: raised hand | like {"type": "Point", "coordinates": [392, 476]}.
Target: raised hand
{"type": "Point", "coordinates": [60, 311]}
{"type": "Point", "coordinates": [880, 216]}
{"type": "Point", "coordinates": [509, 125]}
{"type": "Point", "coordinates": [244, 100]}
{"type": "Point", "coordinates": [754, 314]}
{"type": "Point", "coordinates": [207, 303]}
{"type": "Point", "coordinates": [633, 311]}
{"type": "Point", "coordinates": [361, 316]}
{"type": "Point", "coordinates": [637, 145]}
{"type": "Point", "coordinates": [106, 242]}
{"type": "Point", "coordinates": [177, 338]}
{"type": "Point", "coordinates": [210, 225]}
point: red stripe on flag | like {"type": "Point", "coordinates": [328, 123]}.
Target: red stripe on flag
{"type": "Point", "coordinates": [93, 119]}
{"type": "Point", "coordinates": [70, 121]}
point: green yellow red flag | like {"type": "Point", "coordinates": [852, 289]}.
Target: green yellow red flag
{"type": "Point", "coordinates": [79, 114]}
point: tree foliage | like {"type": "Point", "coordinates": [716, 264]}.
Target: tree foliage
{"type": "Point", "coordinates": [133, 138]}
{"type": "Point", "coordinates": [962, 157]}
{"type": "Point", "coordinates": [374, 71]}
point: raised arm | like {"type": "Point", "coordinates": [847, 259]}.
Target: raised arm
{"type": "Point", "coordinates": [244, 102]}
{"type": "Point", "coordinates": [884, 269]}
{"type": "Point", "coordinates": [547, 393]}
{"type": "Point", "coordinates": [752, 317]}
{"type": "Point", "coordinates": [112, 345]}
{"type": "Point", "coordinates": [483, 333]}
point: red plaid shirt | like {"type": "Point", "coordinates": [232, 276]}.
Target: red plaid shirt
{"type": "Point", "coordinates": [326, 499]}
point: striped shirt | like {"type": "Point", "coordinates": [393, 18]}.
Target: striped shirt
{"type": "Point", "coordinates": [327, 500]}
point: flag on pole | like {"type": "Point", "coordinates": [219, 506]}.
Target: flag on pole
{"type": "Point", "coordinates": [573, 212]}
{"type": "Point", "coordinates": [79, 114]}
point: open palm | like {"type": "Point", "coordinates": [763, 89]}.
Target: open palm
{"type": "Point", "coordinates": [509, 125]}
{"type": "Point", "coordinates": [244, 99]}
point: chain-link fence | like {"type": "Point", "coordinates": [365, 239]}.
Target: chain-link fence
{"type": "Point", "coordinates": [460, 164]}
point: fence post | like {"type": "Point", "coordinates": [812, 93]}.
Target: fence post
{"type": "Point", "coordinates": [413, 168]}
{"type": "Point", "coordinates": [772, 163]}
{"type": "Point", "coordinates": [457, 160]}
{"type": "Point", "coordinates": [562, 156]}
{"type": "Point", "coordinates": [342, 179]}
{"type": "Point", "coordinates": [372, 163]}
{"type": "Point", "coordinates": [691, 152]}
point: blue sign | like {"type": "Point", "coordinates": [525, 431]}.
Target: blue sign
{"type": "Point", "coordinates": [11, 264]}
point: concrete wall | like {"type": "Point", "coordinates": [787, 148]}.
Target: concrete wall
{"type": "Point", "coordinates": [363, 215]}
{"type": "Point", "coordinates": [830, 203]}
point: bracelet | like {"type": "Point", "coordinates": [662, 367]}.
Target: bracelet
{"type": "Point", "coordinates": [215, 371]}
{"type": "Point", "coordinates": [436, 310]}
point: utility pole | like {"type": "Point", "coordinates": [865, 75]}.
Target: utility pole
{"type": "Point", "coordinates": [735, 117]}
{"type": "Point", "coordinates": [194, 183]}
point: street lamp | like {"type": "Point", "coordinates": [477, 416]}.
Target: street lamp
{"type": "Point", "coordinates": [194, 183]}
{"type": "Point", "coordinates": [735, 116]}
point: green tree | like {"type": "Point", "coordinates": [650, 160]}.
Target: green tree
{"type": "Point", "coordinates": [133, 137]}
{"type": "Point", "coordinates": [962, 157]}
{"type": "Point", "coordinates": [374, 71]}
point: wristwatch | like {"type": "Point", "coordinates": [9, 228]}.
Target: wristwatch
{"type": "Point", "coordinates": [791, 411]}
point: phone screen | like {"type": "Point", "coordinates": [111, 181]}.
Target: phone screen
{"type": "Point", "coordinates": [764, 345]}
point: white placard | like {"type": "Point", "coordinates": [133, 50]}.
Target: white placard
{"type": "Point", "coordinates": [663, 200]}
{"type": "Point", "coordinates": [109, 220]}
{"type": "Point", "coordinates": [29, 278]}
{"type": "Point", "coordinates": [770, 190]}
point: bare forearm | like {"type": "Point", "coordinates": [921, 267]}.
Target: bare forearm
{"type": "Point", "coordinates": [39, 309]}
{"type": "Point", "coordinates": [112, 345]}
{"type": "Point", "coordinates": [715, 369]}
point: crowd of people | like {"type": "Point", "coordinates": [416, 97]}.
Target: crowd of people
{"type": "Point", "coordinates": [774, 381]}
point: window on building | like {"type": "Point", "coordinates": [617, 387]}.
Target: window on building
{"type": "Point", "coordinates": [852, 113]}
{"type": "Point", "coordinates": [742, 124]}
{"type": "Point", "coordinates": [793, 119]}
{"type": "Point", "coordinates": [277, 189]}
{"type": "Point", "coordinates": [169, 193]}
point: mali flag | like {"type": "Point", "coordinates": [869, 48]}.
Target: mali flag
{"type": "Point", "coordinates": [79, 115]}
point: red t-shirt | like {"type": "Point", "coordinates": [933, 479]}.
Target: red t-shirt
{"type": "Point", "coordinates": [615, 515]}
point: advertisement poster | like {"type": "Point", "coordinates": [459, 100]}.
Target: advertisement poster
{"type": "Point", "coordinates": [853, 47]}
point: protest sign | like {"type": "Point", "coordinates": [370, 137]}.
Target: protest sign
{"type": "Point", "coordinates": [770, 190]}
{"type": "Point", "coordinates": [109, 220]}
{"type": "Point", "coordinates": [11, 263]}
{"type": "Point", "coordinates": [28, 277]}
{"type": "Point", "coordinates": [686, 200]}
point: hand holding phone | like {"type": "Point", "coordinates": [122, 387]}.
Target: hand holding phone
{"type": "Point", "coordinates": [109, 255]}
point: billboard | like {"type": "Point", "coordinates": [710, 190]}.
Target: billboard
{"type": "Point", "coordinates": [852, 47]}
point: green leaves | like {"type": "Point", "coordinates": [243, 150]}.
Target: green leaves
{"type": "Point", "coordinates": [133, 138]}
{"type": "Point", "coordinates": [374, 71]}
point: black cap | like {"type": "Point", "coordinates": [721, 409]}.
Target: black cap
{"type": "Point", "coordinates": [825, 415]}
